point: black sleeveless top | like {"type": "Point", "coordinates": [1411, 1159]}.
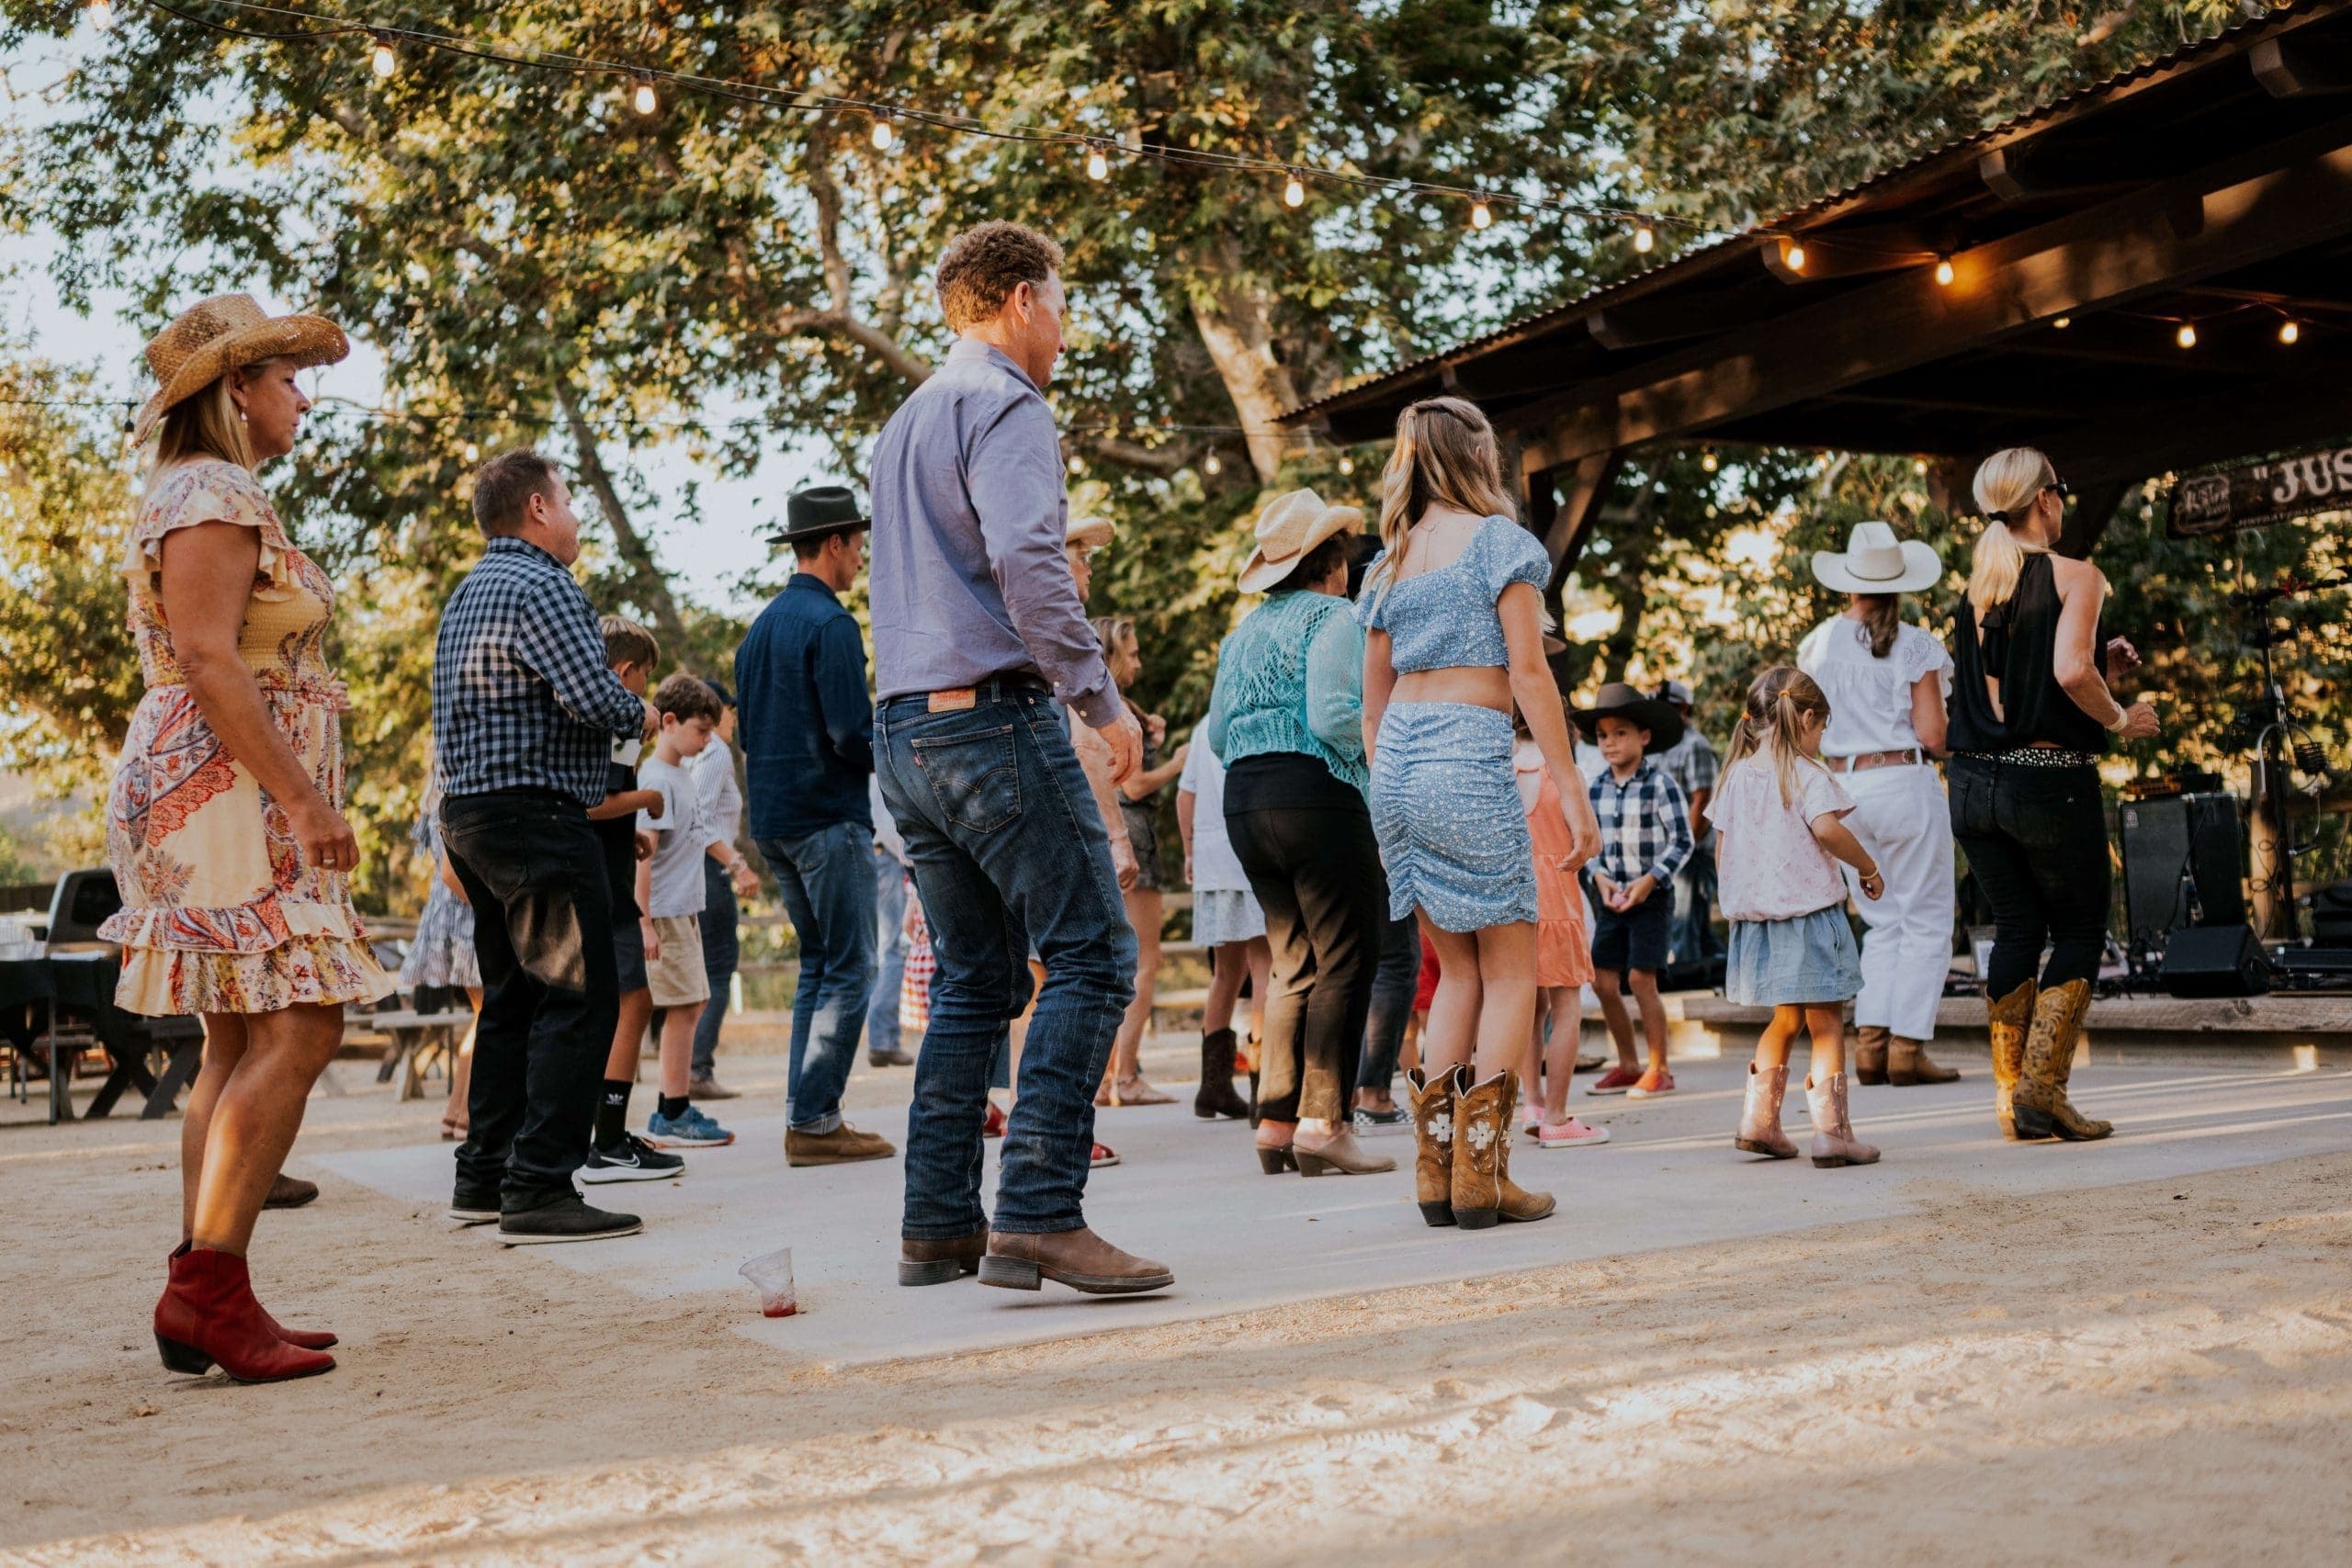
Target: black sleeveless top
{"type": "Point", "coordinates": [2018, 647]}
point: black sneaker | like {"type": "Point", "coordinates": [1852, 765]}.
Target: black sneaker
{"type": "Point", "coordinates": [633, 1159]}
{"type": "Point", "coordinates": [474, 1205]}
{"type": "Point", "coordinates": [566, 1219]}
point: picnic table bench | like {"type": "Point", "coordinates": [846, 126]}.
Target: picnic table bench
{"type": "Point", "coordinates": [414, 1039]}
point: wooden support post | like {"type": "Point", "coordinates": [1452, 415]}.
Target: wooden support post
{"type": "Point", "coordinates": [1578, 493]}
{"type": "Point", "coordinates": [2094, 510]}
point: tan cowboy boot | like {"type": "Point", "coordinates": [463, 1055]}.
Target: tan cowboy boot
{"type": "Point", "coordinates": [1432, 1105]}
{"type": "Point", "coordinates": [1760, 1118]}
{"type": "Point", "coordinates": [2007, 1021]}
{"type": "Point", "coordinates": [1869, 1053]}
{"type": "Point", "coordinates": [1907, 1064]}
{"type": "Point", "coordinates": [1834, 1142]}
{"type": "Point", "coordinates": [1483, 1189]}
{"type": "Point", "coordinates": [2040, 1105]}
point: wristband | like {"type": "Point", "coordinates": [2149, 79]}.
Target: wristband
{"type": "Point", "coordinates": [2122, 716]}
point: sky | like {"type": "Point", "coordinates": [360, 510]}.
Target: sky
{"type": "Point", "coordinates": [707, 559]}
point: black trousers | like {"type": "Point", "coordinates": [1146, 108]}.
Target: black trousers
{"type": "Point", "coordinates": [543, 931]}
{"type": "Point", "coordinates": [1398, 977]}
{"type": "Point", "coordinates": [2036, 838]}
{"type": "Point", "coordinates": [1316, 874]}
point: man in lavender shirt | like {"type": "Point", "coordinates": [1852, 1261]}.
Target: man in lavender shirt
{"type": "Point", "coordinates": [977, 630]}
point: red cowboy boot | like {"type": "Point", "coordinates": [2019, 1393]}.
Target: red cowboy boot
{"type": "Point", "coordinates": [207, 1314]}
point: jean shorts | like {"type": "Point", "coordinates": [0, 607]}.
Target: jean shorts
{"type": "Point", "coordinates": [1635, 937]}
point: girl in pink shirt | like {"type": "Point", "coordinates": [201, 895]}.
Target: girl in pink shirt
{"type": "Point", "coordinates": [1777, 811]}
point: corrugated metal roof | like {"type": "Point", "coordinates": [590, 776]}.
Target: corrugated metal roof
{"type": "Point", "coordinates": [2232, 38]}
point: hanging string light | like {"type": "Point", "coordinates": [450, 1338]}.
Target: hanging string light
{"type": "Point", "coordinates": [2063, 322]}
{"type": "Point", "coordinates": [1708, 461]}
{"type": "Point", "coordinates": [1098, 163]}
{"type": "Point", "coordinates": [381, 60]}
{"type": "Point", "coordinates": [101, 15]}
{"type": "Point", "coordinates": [644, 99]}
{"type": "Point", "coordinates": [2291, 331]}
{"type": "Point", "coordinates": [1943, 271]}
{"type": "Point", "coordinates": [1212, 466]}
{"type": "Point", "coordinates": [882, 134]}
{"type": "Point", "coordinates": [1479, 215]}
{"type": "Point", "coordinates": [1076, 465]}
{"type": "Point", "coordinates": [1794, 257]}
{"type": "Point", "coordinates": [1347, 463]}
{"type": "Point", "coordinates": [2186, 336]}
{"type": "Point", "coordinates": [473, 452]}
{"type": "Point", "coordinates": [1294, 191]}
{"type": "Point", "coordinates": [1645, 238]}
{"type": "Point", "coordinates": [1919, 467]}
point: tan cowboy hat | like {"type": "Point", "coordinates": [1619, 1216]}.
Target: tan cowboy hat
{"type": "Point", "coordinates": [228, 332]}
{"type": "Point", "coordinates": [1875, 561]}
{"type": "Point", "coordinates": [1087, 533]}
{"type": "Point", "coordinates": [1291, 526]}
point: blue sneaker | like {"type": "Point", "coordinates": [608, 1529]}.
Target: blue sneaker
{"type": "Point", "coordinates": [690, 1129]}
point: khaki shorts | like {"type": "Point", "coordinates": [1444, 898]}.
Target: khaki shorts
{"type": "Point", "coordinates": [677, 977]}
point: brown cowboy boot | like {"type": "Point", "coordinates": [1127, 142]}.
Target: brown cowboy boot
{"type": "Point", "coordinates": [1432, 1105]}
{"type": "Point", "coordinates": [1019, 1260]}
{"type": "Point", "coordinates": [1834, 1144]}
{"type": "Point", "coordinates": [2006, 1020]}
{"type": "Point", "coordinates": [1907, 1064]}
{"type": "Point", "coordinates": [2040, 1105]}
{"type": "Point", "coordinates": [1869, 1053]}
{"type": "Point", "coordinates": [1760, 1117]}
{"type": "Point", "coordinates": [1483, 1189]}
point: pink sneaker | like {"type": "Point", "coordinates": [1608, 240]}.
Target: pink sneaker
{"type": "Point", "coordinates": [1102, 1156]}
{"type": "Point", "coordinates": [1616, 1080]}
{"type": "Point", "coordinates": [1651, 1085]}
{"type": "Point", "coordinates": [1571, 1134]}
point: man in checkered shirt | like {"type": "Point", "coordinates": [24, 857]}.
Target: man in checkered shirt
{"type": "Point", "coordinates": [1644, 840]}
{"type": "Point", "coordinates": [1692, 763]}
{"type": "Point", "coordinates": [523, 715]}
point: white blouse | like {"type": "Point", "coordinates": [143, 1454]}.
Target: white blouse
{"type": "Point", "coordinates": [1870, 698]}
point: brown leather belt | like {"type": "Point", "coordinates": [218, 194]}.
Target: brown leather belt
{"type": "Point", "coordinates": [1869, 759]}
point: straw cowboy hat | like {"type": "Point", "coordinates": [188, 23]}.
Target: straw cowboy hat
{"type": "Point", "coordinates": [228, 332]}
{"type": "Point", "coordinates": [1875, 561]}
{"type": "Point", "coordinates": [1087, 533]}
{"type": "Point", "coordinates": [1288, 529]}
{"type": "Point", "coordinates": [1617, 700]}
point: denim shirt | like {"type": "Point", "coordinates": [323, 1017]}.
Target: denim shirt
{"type": "Point", "coordinates": [805, 723]}
{"type": "Point", "coordinates": [968, 579]}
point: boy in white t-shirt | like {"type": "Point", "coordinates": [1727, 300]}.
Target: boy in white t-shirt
{"type": "Point", "coordinates": [670, 893]}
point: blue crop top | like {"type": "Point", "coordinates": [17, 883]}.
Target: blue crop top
{"type": "Point", "coordinates": [1445, 618]}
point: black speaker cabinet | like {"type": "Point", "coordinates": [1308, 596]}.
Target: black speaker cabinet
{"type": "Point", "coordinates": [2184, 862]}
{"type": "Point", "coordinates": [2215, 960]}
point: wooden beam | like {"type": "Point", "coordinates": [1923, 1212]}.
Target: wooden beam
{"type": "Point", "coordinates": [1586, 486]}
{"type": "Point", "coordinates": [1646, 323]}
{"type": "Point", "coordinates": [2015, 174]}
{"type": "Point", "coordinates": [2136, 440]}
{"type": "Point", "coordinates": [2244, 211]}
{"type": "Point", "coordinates": [2302, 68]}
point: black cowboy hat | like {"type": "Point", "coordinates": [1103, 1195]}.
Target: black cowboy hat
{"type": "Point", "coordinates": [1621, 701]}
{"type": "Point", "coordinates": [819, 510]}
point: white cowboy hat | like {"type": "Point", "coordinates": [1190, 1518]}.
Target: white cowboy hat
{"type": "Point", "coordinates": [1291, 526]}
{"type": "Point", "coordinates": [1875, 561]}
{"type": "Point", "coordinates": [228, 332]}
{"type": "Point", "coordinates": [1087, 533]}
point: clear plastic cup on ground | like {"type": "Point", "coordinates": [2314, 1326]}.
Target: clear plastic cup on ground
{"type": "Point", "coordinates": [771, 1275]}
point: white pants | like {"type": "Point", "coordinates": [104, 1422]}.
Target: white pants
{"type": "Point", "coordinates": [1901, 818]}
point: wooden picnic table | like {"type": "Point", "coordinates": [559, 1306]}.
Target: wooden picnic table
{"type": "Point", "coordinates": [85, 980]}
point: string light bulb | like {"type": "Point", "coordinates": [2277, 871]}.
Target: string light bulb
{"type": "Point", "coordinates": [382, 61]}
{"type": "Point", "coordinates": [2186, 336]}
{"type": "Point", "coordinates": [1943, 271]}
{"type": "Point", "coordinates": [1347, 463]}
{"type": "Point", "coordinates": [644, 99]}
{"type": "Point", "coordinates": [2063, 322]}
{"type": "Point", "coordinates": [1212, 466]}
{"type": "Point", "coordinates": [1480, 216]}
{"type": "Point", "coordinates": [1708, 460]}
{"type": "Point", "coordinates": [1098, 163]}
{"type": "Point", "coordinates": [2289, 331]}
{"type": "Point", "coordinates": [1294, 191]}
{"type": "Point", "coordinates": [101, 15]}
{"type": "Point", "coordinates": [882, 134]}
{"type": "Point", "coordinates": [1645, 239]}
{"type": "Point", "coordinates": [1077, 464]}
{"type": "Point", "coordinates": [473, 452]}
{"type": "Point", "coordinates": [1919, 467]}
{"type": "Point", "coordinates": [1794, 257]}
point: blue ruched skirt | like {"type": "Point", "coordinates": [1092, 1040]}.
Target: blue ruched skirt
{"type": "Point", "coordinates": [1445, 808]}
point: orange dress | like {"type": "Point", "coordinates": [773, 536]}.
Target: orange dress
{"type": "Point", "coordinates": [221, 912]}
{"type": "Point", "coordinates": [1563, 950]}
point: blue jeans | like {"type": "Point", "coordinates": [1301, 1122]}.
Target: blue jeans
{"type": "Point", "coordinates": [890, 933]}
{"type": "Point", "coordinates": [827, 880]}
{"type": "Point", "coordinates": [1008, 848]}
{"type": "Point", "coordinates": [721, 951]}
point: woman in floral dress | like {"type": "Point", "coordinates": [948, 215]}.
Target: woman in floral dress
{"type": "Point", "coordinates": [225, 824]}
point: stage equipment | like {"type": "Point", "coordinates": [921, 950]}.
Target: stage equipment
{"type": "Point", "coordinates": [2216, 961]}
{"type": "Point", "coordinates": [2184, 863]}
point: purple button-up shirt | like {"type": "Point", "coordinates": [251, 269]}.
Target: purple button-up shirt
{"type": "Point", "coordinates": [969, 579]}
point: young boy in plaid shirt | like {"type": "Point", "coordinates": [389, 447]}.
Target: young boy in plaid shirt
{"type": "Point", "coordinates": [1644, 840]}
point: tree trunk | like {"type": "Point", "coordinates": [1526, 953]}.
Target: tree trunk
{"type": "Point", "coordinates": [1234, 316]}
{"type": "Point", "coordinates": [646, 585]}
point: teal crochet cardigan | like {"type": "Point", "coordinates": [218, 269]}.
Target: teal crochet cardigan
{"type": "Point", "coordinates": [1291, 678]}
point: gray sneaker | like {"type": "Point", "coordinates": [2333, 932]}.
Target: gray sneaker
{"type": "Point", "coordinates": [709, 1089]}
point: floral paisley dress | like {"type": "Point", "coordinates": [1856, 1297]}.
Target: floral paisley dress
{"type": "Point", "coordinates": [220, 912]}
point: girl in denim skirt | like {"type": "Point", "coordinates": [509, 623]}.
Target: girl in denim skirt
{"type": "Point", "coordinates": [1778, 811]}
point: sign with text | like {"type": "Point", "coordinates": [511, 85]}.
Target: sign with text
{"type": "Point", "coordinates": [2251, 494]}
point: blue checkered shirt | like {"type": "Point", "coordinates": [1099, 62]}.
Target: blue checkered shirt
{"type": "Point", "coordinates": [1645, 824]}
{"type": "Point", "coordinates": [522, 697]}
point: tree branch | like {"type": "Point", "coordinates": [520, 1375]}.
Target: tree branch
{"type": "Point", "coordinates": [648, 585]}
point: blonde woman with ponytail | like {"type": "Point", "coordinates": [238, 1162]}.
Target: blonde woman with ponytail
{"type": "Point", "coordinates": [1886, 681]}
{"type": "Point", "coordinates": [2031, 711]}
{"type": "Point", "coordinates": [1781, 815]}
{"type": "Point", "coordinates": [1454, 623]}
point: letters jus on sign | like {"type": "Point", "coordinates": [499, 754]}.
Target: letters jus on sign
{"type": "Point", "coordinates": [2255, 493]}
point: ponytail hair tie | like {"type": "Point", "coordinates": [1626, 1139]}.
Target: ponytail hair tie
{"type": "Point", "coordinates": [2000, 517]}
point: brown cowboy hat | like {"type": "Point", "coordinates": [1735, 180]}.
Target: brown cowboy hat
{"type": "Point", "coordinates": [1621, 701]}
{"type": "Point", "coordinates": [1292, 526]}
{"type": "Point", "coordinates": [227, 332]}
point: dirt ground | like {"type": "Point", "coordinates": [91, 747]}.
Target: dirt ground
{"type": "Point", "coordinates": [2150, 1374]}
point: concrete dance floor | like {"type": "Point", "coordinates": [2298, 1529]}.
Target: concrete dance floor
{"type": "Point", "coordinates": [1190, 1194]}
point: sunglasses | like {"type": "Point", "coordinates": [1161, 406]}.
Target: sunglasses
{"type": "Point", "coordinates": [2065, 494]}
